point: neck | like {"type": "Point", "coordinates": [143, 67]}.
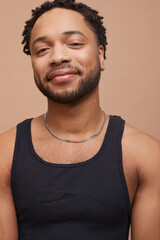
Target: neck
{"type": "Point", "coordinates": [79, 119]}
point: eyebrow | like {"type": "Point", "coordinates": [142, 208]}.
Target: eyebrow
{"type": "Point", "coordinates": [65, 33]}
{"type": "Point", "coordinates": [74, 32]}
{"type": "Point", "coordinates": [38, 40]}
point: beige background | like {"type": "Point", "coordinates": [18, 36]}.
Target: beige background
{"type": "Point", "coordinates": [130, 84]}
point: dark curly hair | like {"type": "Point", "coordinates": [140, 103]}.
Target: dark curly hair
{"type": "Point", "coordinates": [91, 17]}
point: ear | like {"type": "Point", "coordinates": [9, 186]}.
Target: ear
{"type": "Point", "coordinates": [101, 56]}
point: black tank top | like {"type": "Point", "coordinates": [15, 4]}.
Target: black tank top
{"type": "Point", "coordinates": [81, 201]}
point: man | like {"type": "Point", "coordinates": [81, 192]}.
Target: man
{"type": "Point", "coordinates": [75, 172]}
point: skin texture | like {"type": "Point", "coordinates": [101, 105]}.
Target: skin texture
{"type": "Point", "coordinates": [77, 50]}
{"type": "Point", "coordinates": [77, 120]}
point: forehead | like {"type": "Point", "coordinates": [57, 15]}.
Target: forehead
{"type": "Point", "coordinates": [59, 20]}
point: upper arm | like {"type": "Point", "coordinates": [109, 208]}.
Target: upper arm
{"type": "Point", "coordinates": [8, 220]}
{"type": "Point", "coordinates": [145, 217]}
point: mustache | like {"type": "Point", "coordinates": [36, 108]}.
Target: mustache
{"type": "Point", "coordinates": [62, 66]}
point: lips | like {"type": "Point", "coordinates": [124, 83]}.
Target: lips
{"type": "Point", "coordinates": [62, 74]}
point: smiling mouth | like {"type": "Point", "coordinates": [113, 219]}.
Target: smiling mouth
{"type": "Point", "coordinates": [62, 75]}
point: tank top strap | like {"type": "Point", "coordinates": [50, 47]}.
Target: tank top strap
{"type": "Point", "coordinates": [21, 144]}
{"type": "Point", "coordinates": [116, 129]}
{"type": "Point", "coordinates": [23, 129]}
{"type": "Point", "coordinates": [117, 126]}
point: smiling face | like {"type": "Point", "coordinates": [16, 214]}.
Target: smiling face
{"type": "Point", "coordinates": [65, 56]}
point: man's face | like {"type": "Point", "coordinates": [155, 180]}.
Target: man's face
{"type": "Point", "coordinates": [65, 56]}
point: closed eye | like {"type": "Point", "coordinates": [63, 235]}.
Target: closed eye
{"type": "Point", "coordinates": [76, 44]}
{"type": "Point", "coordinates": [41, 50]}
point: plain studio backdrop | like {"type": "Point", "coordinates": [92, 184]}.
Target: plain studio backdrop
{"type": "Point", "coordinates": [129, 85]}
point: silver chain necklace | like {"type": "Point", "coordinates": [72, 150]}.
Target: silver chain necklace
{"type": "Point", "coordinates": [74, 141]}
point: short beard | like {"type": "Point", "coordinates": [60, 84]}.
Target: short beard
{"type": "Point", "coordinates": [86, 86]}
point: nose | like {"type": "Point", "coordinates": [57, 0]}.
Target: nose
{"type": "Point", "coordinates": [59, 54]}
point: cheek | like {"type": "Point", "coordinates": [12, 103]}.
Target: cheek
{"type": "Point", "coordinates": [38, 67]}
{"type": "Point", "coordinates": [87, 58]}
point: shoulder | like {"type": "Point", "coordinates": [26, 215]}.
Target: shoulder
{"type": "Point", "coordinates": [7, 142]}
{"type": "Point", "coordinates": [8, 221]}
{"type": "Point", "coordinates": [140, 144]}
{"type": "Point", "coordinates": [7, 139]}
{"type": "Point", "coordinates": [143, 150]}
